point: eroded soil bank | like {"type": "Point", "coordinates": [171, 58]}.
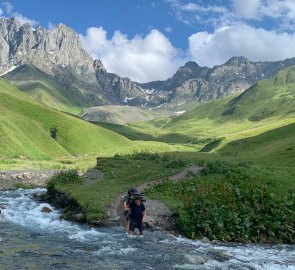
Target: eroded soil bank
{"type": "Point", "coordinates": [35, 178]}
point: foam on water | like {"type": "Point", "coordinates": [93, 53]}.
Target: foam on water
{"type": "Point", "coordinates": [21, 209]}
{"type": "Point", "coordinates": [266, 257]}
{"type": "Point", "coordinates": [113, 244]}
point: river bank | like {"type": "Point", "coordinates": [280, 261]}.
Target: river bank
{"type": "Point", "coordinates": [9, 179]}
{"type": "Point", "coordinates": [32, 239]}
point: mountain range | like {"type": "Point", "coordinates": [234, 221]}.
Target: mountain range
{"type": "Point", "coordinates": [53, 67]}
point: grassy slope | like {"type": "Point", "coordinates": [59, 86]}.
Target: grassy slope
{"type": "Point", "coordinates": [25, 131]}
{"type": "Point", "coordinates": [120, 173]}
{"type": "Point", "coordinates": [48, 92]}
{"type": "Point", "coordinates": [267, 105]}
{"type": "Point", "coordinates": [275, 147]}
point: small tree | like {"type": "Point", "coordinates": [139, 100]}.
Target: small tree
{"type": "Point", "coordinates": [53, 133]}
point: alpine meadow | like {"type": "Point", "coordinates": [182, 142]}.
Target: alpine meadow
{"type": "Point", "coordinates": [123, 152]}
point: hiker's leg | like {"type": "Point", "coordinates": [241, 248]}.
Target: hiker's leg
{"type": "Point", "coordinates": [140, 227]}
{"type": "Point", "coordinates": [132, 226]}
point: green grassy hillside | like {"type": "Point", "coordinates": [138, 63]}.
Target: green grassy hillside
{"type": "Point", "coordinates": [46, 90]}
{"type": "Point", "coordinates": [25, 131]}
{"type": "Point", "coordinates": [274, 147]}
{"type": "Point", "coordinates": [267, 105]}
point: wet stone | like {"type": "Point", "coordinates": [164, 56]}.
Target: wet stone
{"type": "Point", "coordinates": [196, 259]}
{"type": "Point", "coordinates": [46, 209]}
{"type": "Point", "coordinates": [220, 255]}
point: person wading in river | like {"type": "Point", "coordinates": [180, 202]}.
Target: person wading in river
{"type": "Point", "coordinates": [127, 200]}
{"type": "Point", "coordinates": [137, 216]}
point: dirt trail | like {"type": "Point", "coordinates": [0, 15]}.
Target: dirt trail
{"type": "Point", "coordinates": [159, 216]}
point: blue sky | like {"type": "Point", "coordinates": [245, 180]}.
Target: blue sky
{"type": "Point", "coordinates": [150, 39]}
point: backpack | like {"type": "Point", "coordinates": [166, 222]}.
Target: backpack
{"type": "Point", "coordinates": [132, 194]}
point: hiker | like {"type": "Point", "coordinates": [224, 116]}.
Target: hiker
{"type": "Point", "coordinates": [127, 200]}
{"type": "Point", "coordinates": [137, 216]}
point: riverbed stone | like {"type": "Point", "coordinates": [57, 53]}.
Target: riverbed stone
{"type": "Point", "coordinates": [46, 209]}
{"type": "Point", "coordinates": [78, 217]}
{"type": "Point", "coordinates": [220, 255]}
{"type": "Point", "coordinates": [114, 218]}
{"type": "Point", "coordinates": [205, 240]}
{"type": "Point", "coordinates": [196, 259]}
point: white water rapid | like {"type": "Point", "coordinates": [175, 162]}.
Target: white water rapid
{"type": "Point", "coordinates": [31, 239]}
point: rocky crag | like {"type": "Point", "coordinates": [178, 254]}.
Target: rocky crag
{"type": "Point", "coordinates": [193, 82]}
{"type": "Point", "coordinates": [60, 55]}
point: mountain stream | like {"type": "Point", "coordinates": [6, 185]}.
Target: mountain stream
{"type": "Point", "coordinates": [31, 239]}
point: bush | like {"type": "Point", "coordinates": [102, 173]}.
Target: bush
{"type": "Point", "coordinates": [64, 177]}
{"type": "Point", "coordinates": [231, 202]}
{"type": "Point", "coordinates": [166, 160]}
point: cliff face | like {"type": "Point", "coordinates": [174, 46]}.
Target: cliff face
{"type": "Point", "coordinates": [59, 53]}
{"type": "Point", "coordinates": [192, 82]}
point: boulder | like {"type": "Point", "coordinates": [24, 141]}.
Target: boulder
{"type": "Point", "coordinates": [46, 209]}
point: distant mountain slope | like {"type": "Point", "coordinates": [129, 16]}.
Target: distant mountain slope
{"type": "Point", "coordinates": [120, 115]}
{"type": "Point", "coordinates": [46, 90]}
{"type": "Point", "coordinates": [266, 105]}
{"type": "Point", "coordinates": [25, 130]}
{"type": "Point", "coordinates": [267, 98]}
{"type": "Point", "coordinates": [60, 55]}
{"type": "Point", "coordinates": [274, 147]}
{"type": "Point", "coordinates": [193, 82]}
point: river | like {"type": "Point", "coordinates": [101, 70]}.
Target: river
{"type": "Point", "coordinates": [31, 239]}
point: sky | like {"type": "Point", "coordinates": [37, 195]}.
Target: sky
{"type": "Point", "coordinates": [149, 40]}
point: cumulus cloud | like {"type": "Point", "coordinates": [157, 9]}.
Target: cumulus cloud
{"type": "Point", "coordinates": [10, 12]}
{"type": "Point", "coordinates": [143, 59]}
{"type": "Point", "coordinates": [225, 13]}
{"type": "Point", "coordinates": [248, 9]}
{"type": "Point", "coordinates": [283, 9]}
{"type": "Point", "coordinates": [240, 40]}
{"type": "Point", "coordinates": [189, 13]}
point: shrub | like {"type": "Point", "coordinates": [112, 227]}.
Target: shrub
{"type": "Point", "coordinates": [166, 160]}
{"type": "Point", "coordinates": [64, 177]}
{"type": "Point", "coordinates": [231, 202]}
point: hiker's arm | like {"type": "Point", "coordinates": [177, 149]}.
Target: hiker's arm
{"type": "Point", "coordinates": [125, 206]}
{"type": "Point", "coordinates": [144, 215]}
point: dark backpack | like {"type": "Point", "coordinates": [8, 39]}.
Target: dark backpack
{"type": "Point", "coordinates": [132, 194]}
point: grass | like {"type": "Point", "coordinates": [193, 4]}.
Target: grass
{"type": "Point", "coordinates": [120, 174]}
{"type": "Point", "coordinates": [25, 132]}
{"type": "Point", "coordinates": [234, 202]}
{"type": "Point", "coordinates": [46, 90]}
{"type": "Point", "coordinates": [274, 147]}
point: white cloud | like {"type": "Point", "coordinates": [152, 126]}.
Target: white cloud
{"type": "Point", "coordinates": [1, 12]}
{"type": "Point", "coordinates": [256, 9]}
{"type": "Point", "coordinates": [240, 40]}
{"type": "Point", "coordinates": [225, 13]}
{"type": "Point", "coordinates": [142, 59]}
{"type": "Point", "coordinates": [247, 9]}
{"type": "Point", "coordinates": [9, 11]}
{"type": "Point", "coordinates": [168, 29]}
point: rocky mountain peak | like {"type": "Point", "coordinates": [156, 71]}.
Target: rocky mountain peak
{"type": "Point", "coordinates": [237, 61]}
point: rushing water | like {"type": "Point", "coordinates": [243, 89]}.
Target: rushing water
{"type": "Point", "coordinates": [30, 239]}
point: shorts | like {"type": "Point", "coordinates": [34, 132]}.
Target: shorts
{"type": "Point", "coordinates": [136, 224]}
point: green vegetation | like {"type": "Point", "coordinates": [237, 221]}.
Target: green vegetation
{"type": "Point", "coordinates": [64, 177]}
{"type": "Point", "coordinates": [46, 90]}
{"type": "Point", "coordinates": [95, 196]}
{"type": "Point", "coordinates": [31, 131]}
{"type": "Point", "coordinates": [274, 147]}
{"type": "Point", "coordinates": [229, 201]}
{"type": "Point", "coordinates": [234, 202]}
{"type": "Point", "coordinates": [24, 186]}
